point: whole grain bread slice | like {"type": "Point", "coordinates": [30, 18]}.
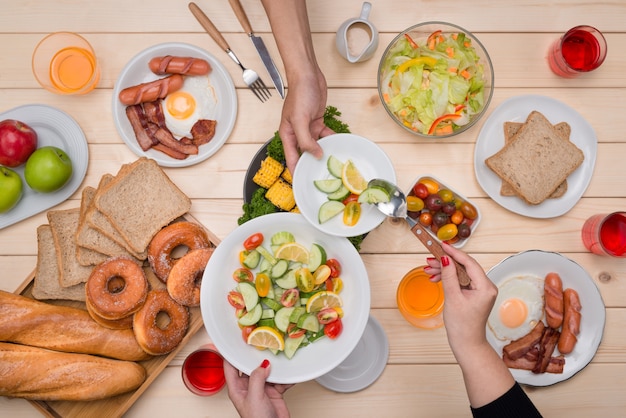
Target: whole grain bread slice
{"type": "Point", "coordinates": [46, 284]}
{"type": "Point", "coordinates": [537, 161]}
{"type": "Point", "coordinates": [141, 202]}
{"type": "Point", "coordinates": [510, 130]}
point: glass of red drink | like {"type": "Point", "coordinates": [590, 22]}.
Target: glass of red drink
{"type": "Point", "coordinates": [203, 371]}
{"type": "Point", "coordinates": [605, 234]}
{"type": "Point", "coordinates": [580, 50]}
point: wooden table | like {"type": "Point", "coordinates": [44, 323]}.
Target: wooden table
{"type": "Point", "coordinates": [421, 378]}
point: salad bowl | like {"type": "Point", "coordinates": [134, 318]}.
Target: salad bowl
{"type": "Point", "coordinates": [435, 79]}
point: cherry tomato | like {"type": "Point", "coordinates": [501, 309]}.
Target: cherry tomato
{"type": "Point", "coordinates": [431, 185]}
{"type": "Point", "coordinates": [420, 190]}
{"type": "Point", "coordinates": [457, 217]}
{"type": "Point", "coordinates": [446, 195]}
{"type": "Point", "coordinates": [440, 218]}
{"type": "Point", "coordinates": [469, 210]}
{"type": "Point", "coordinates": [335, 267]}
{"type": "Point", "coordinates": [236, 299]}
{"type": "Point", "coordinates": [351, 213]}
{"type": "Point", "coordinates": [447, 232]}
{"type": "Point", "coordinates": [289, 297]}
{"type": "Point", "coordinates": [242, 256]}
{"type": "Point", "coordinates": [426, 218]}
{"type": "Point", "coordinates": [327, 315]}
{"type": "Point", "coordinates": [294, 332]}
{"type": "Point", "coordinates": [334, 284]}
{"type": "Point", "coordinates": [253, 241]}
{"type": "Point", "coordinates": [414, 204]}
{"type": "Point", "coordinates": [243, 275]}
{"type": "Point", "coordinates": [262, 284]}
{"type": "Point", "coordinates": [321, 274]}
{"type": "Point", "coordinates": [464, 230]}
{"type": "Point", "coordinates": [351, 198]}
{"type": "Point", "coordinates": [304, 279]}
{"type": "Point", "coordinates": [333, 329]}
{"type": "Point", "coordinates": [245, 331]}
{"type": "Point", "coordinates": [433, 202]}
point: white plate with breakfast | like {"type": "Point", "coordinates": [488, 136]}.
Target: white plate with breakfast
{"type": "Point", "coordinates": [492, 139]}
{"type": "Point", "coordinates": [193, 95]}
{"type": "Point", "coordinates": [520, 279]}
{"type": "Point", "coordinates": [310, 361]}
{"type": "Point", "coordinates": [370, 161]}
{"type": "Point", "coordinates": [57, 128]}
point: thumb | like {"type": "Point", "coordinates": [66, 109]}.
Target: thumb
{"type": "Point", "coordinates": [256, 384]}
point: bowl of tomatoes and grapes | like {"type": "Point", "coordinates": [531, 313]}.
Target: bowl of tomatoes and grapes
{"type": "Point", "coordinates": [447, 215]}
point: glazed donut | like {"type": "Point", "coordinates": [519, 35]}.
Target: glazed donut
{"type": "Point", "coordinates": [122, 323]}
{"type": "Point", "coordinates": [183, 282]}
{"type": "Point", "coordinates": [154, 338]}
{"type": "Point", "coordinates": [160, 249]}
{"type": "Point", "coordinates": [116, 288]}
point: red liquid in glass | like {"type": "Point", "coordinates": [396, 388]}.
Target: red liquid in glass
{"type": "Point", "coordinates": [613, 235]}
{"type": "Point", "coordinates": [581, 50]}
{"type": "Point", "coordinates": [205, 371]}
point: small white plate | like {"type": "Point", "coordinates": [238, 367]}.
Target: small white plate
{"type": "Point", "coordinates": [491, 139]}
{"type": "Point", "coordinates": [309, 362]}
{"type": "Point", "coordinates": [370, 160]}
{"type": "Point", "coordinates": [57, 128]}
{"type": "Point", "coordinates": [137, 72]}
{"type": "Point", "coordinates": [540, 263]}
{"type": "Point", "coordinates": [364, 365]}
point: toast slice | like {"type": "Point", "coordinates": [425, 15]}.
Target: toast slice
{"type": "Point", "coordinates": [510, 130]}
{"type": "Point", "coordinates": [46, 284]}
{"type": "Point", "coordinates": [537, 161]}
{"type": "Point", "coordinates": [141, 201]}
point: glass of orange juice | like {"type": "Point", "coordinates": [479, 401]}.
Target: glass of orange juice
{"type": "Point", "coordinates": [65, 63]}
{"type": "Point", "coordinates": [419, 300]}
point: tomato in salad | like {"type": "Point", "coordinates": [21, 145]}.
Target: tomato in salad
{"type": "Point", "coordinates": [242, 274]}
{"type": "Point", "coordinates": [333, 329]}
{"type": "Point", "coordinates": [335, 267]}
{"type": "Point", "coordinates": [253, 241]}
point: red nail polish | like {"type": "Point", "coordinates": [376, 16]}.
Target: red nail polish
{"type": "Point", "coordinates": [445, 260]}
{"type": "Point", "coordinates": [430, 258]}
{"type": "Point", "coordinates": [265, 364]}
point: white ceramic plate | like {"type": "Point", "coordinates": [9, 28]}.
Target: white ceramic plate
{"type": "Point", "coordinates": [309, 362]}
{"type": "Point", "coordinates": [364, 365]}
{"type": "Point", "coordinates": [137, 72]}
{"type": "Point", "coordinates": [491, 140]}
{"type": "Point", "coordinates": [57, 128]}
{"type": "Point", "coordinates": [540, 263]}
{"type": "Point", "coordinates": [370, 160]}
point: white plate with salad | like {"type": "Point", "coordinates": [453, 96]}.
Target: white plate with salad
{"type": "Point", "coordinates": [368, 158]}
{"type": "Point", "coordinates": [310, 361]}
{"type": "Point", "coordinates": [491, 139]}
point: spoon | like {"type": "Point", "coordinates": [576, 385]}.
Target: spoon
{"type": "Point", "coordinates": [396, 208]}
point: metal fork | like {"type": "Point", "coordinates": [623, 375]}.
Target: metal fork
{"type": "Point", "coordinates": [250, 77]}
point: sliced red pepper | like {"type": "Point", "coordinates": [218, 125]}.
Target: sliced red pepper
{"type": "Point", "coordinates": [411, 41]}
{"type": "Point", "coordinates": [447, 117]}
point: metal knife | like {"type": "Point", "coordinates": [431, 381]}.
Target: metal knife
{"type": "Point", "coordinates": [260, 47]}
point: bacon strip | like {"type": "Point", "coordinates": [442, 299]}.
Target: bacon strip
{"type": "Point", "coordinates": [518, 348]}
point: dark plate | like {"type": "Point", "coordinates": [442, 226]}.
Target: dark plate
{"type": "Point", "coordinates": [249, 186]}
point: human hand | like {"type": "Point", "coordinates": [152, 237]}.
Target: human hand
{"type": "Point", "coordinates": [252, 396]}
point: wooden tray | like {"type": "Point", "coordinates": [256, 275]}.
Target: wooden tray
{"type": "Point", "coordinates": [116, 406]}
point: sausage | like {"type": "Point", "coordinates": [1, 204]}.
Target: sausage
{"type": "Point", "coordinates": [151, 91]}
{"type": "Point", "coordinates": [179, 65]}
{"type": "Point", "coordinates": [571, 321]}
{"type": "Point", "coordinates": [553, 294]}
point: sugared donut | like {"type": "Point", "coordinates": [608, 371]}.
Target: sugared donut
{"type": "Point", "coordinates": [122, 323]}
{"type": "Point", "coordinates": [116, 288]}
{"type": "Point", "coordinates": [183, 282]}
{"type": "Point", "coordinates": [160, 249]}
{"type": "Point", "coordinates": [156, 338]}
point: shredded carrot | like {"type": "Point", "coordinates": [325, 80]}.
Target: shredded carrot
{"type": "Point", "coordinates": [445, 129]}
{"type": "Point", "coordinates": [452, 70]}
{"type": "Point", "coordinates": [450, 51]}
{"type": "Point", "coordinates": [386, 97]}
{"type": "Point", "coordinates": [466, 75]}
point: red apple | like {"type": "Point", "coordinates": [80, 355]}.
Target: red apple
{"type": "Point", "coordinates": [17, 142]}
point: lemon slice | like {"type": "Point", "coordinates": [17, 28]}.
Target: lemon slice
{"type": "Point", "coordinates": [321, 300]}
{"type": "Point", "coordinates": [266, 337]}
{"type": "Point", "coordinates": [352, 178]}
{"type": "Point", "coordinates": [292, 251]}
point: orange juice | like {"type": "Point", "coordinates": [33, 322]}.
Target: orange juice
{"type": "Point", "coordinates": [419, 300]}
{"type": "Point", "coordinates": [72, 69]}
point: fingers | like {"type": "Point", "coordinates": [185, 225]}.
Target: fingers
{"type": "Point", "coordinates": [256, 385]}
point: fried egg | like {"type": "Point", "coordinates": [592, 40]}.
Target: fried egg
{"type": "Point", "coordinates": [518, 307]}
{"type": "Point", "coordinates": [183, 108]}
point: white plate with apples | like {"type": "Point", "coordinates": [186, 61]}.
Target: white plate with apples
{"type": "Point", "coordinates": [54, 128]}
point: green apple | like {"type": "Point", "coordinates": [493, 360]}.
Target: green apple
{"type": "Point", "coordinates": [10, 189]}
{"type": "Point", "coordinates": [48, 169]}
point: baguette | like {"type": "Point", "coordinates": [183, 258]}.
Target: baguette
{"type": "Point", "coordinates": [61, 328]}
{"type": "Point", "coordinates": [39, 374]}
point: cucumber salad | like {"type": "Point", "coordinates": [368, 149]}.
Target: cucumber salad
{"type": "Point", "coordinates": [433, 85]}
{"type": "Point", "coordinates": [287, 295]}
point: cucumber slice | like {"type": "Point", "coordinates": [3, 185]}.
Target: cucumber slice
{"type": "Point", "coordinates": [374, 195]}
{"type": "Point", "coordinates": [328, 185]}
{"type": "Point", "coordinates": [340, 194]}
{"type": "Point", "coordinates": [279, 269]}
{"type": "Point", "coordinates": [329, 210]}
{"type": "Point", "coordinates": [265, 266]}
{"type": "Point", "coordinates": [266, 254]}
{"type": "Point", "coordinates": [269, 322]}
{"type": "Point", "coordinates": [282, 318]}
{"type": "Point", "coordinates": [296, 314]}
{"type": "Point", "coordinates": [271, 303]}
{"type": "Point", "coordinates": [288, 280]}
{"type": "Point", "coordinates": [249, 293]}
{"type": "Point", "coordinates": [252, 259]}
{"type": "Point", "coordinates": [252, 317]}
{"type": "Point", "coordinates": [308, 322]}
{"type": "Point", "coordinates": [283, 237]}
{"type": "Point", "coordinates": [335, 166]}
{"type": "Point", "coordinates": [267, 313]}
{"type": "Point", "coordinates": [317, 257]}
{"type": "Point", "coordinates": [292, 345]}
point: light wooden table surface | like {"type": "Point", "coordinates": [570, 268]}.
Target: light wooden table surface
{"type": "Point", "coordinates": [421, 378]}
